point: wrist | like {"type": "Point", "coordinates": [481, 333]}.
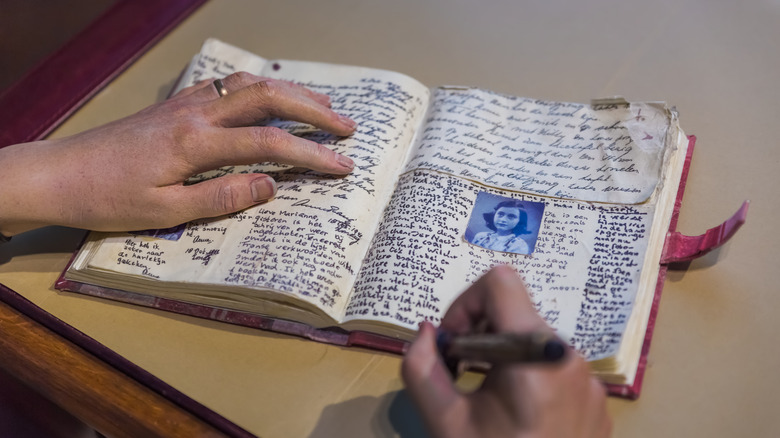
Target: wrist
{"type": "Point", "coordinates": [23, 188]}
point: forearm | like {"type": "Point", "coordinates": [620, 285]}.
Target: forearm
{"type": "Point", "coordinates": [28, 176]}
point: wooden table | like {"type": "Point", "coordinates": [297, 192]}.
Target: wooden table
{"type": "Point", "coordinates": [713, 360]}
{"type": "Point", "coordinates": [91, 390]}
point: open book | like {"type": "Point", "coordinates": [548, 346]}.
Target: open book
{"type": "Point", "coordinates": [448, 182]}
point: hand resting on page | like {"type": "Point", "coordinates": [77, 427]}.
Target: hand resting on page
{"type": "Point", "coordinates": [129, 174]}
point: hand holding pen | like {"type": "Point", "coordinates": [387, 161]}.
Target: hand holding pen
{"type": "Point", "coordinates": [519, 396]}
{"type": "Point", "coordinates": [484, 350]}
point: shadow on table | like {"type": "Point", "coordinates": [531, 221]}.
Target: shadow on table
{"type": "Point", "coordinates": [42, 241]}
{"type": "Point", "coordinates": [392, 415]}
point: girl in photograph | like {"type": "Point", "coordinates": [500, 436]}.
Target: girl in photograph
{"type": "Point", "coordinates": [508, 222]}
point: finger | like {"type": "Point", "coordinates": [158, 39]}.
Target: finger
{"type": "Point", "coordinates": [427, 380]}
{"type": "Point", "coordinates": [223, 195]}
{"type": "Point", "coordinates": [501, 298]}
{"type": "Point", "coordinates": [601, 418]}
{"type": "Point", "coordinates": [322, 99]}
{"type": "Point", "coordinates": [236, 81]}
{"type": "Point", "coordinates": [206, 90]}
{"type": "Point", "coordinates": [260, 100]}
{"type": "Point", "coordinates": [260, 144]}
{"type": "Point", "coordinates": [239, 80]}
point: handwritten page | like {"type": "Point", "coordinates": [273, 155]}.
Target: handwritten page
{"type": "Point", "coordinates": [309, 240]}
{"type": "Point", "coordinates": [610, 152]}
{"type": "Point", "coordinates": [419, 261]}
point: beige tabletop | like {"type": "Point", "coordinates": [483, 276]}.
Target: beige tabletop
{"type": "Point", "coordinates": [714, 359]}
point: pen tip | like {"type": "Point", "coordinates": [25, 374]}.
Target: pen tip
{"type": "Point", "coordinates": [554, 350]}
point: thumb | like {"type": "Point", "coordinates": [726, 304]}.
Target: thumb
{"type": "Point", "coordinates": [226, 194]}
{"type": "Point", "coordinates": [428, 381]}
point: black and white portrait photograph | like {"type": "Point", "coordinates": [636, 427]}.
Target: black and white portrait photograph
{"type": "Point", "coordinates": [504, 224]}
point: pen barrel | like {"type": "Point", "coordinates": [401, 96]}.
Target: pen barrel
{"type": "Point", "coordinates": [505, 348]}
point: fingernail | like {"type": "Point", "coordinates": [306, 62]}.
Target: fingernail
{"type": "Point", "coordinates": [263, 188]}
{"type": "Point", "coordinates": [345, 161]}
{"type": "Point", "coordinates": [348, 122]}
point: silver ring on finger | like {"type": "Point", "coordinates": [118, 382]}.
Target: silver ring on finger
{"type": "Point", "coordinates": [220, 87]}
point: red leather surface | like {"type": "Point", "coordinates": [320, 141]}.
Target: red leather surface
{"type": "Point", "coordinates": [36, 104]}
